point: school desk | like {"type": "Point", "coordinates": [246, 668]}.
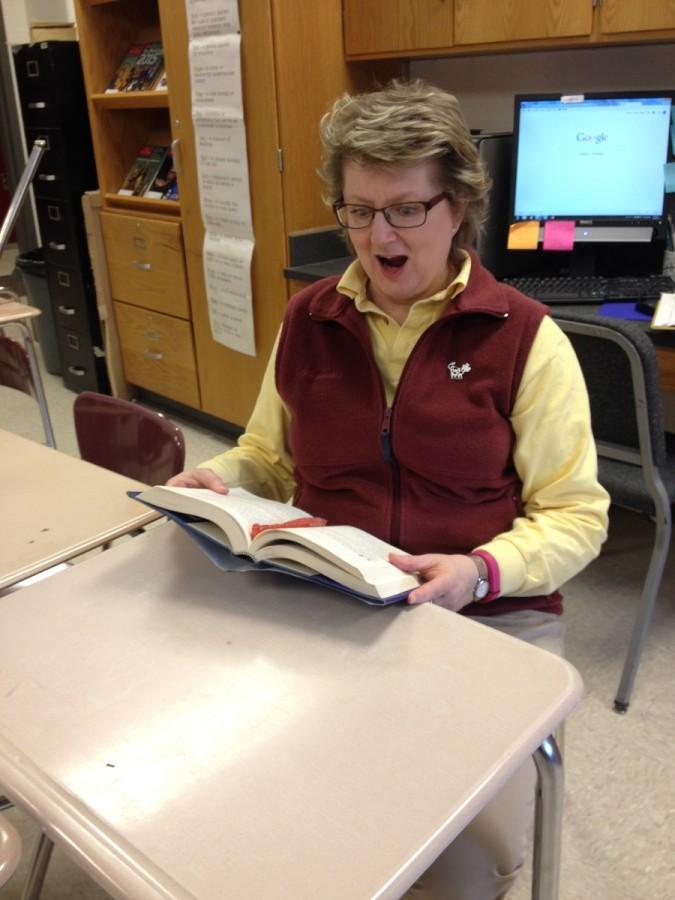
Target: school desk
{"type": "Point", "coordinates": [186, 733]}
{"type": "Point", "coordinates": [54, 507]}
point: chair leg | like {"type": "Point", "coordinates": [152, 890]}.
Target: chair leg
{"type": "Point", "coordinates": [37, 383]}
{"type": "Point", "coordinates": [38, 869]}
{"type": "Point", "coordinates": [647, 601]}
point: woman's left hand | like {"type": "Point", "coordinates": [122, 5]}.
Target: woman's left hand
{"type": "Point", "coordinates": [449, 580]}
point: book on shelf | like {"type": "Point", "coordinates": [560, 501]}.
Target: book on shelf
{"type": "Point", "coordinates": [164, 185]}
{"type": "Point", "coordinates": [143, 170]}
{"type": "Point", "coordinates": [161, 84]}
{"type": "Point", "coordinates": [140, 69]}
{"type": "Point", "coordinates": [240, 530]}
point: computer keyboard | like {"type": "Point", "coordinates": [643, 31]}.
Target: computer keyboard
{"type": "Point", "coordinates": [593, 288]}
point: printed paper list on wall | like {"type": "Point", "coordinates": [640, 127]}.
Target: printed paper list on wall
{"type": "Point", "coordinates": [222, 169]}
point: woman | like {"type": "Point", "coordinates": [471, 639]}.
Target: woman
{"type": "Point", "coordinates": [421, 400]}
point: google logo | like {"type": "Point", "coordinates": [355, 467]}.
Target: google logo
{"type": "Point", "coordinates": [595, 138]}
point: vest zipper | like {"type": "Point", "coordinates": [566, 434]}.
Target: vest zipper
{"type": "Point", "coordinates": [385, 436]}
{"type": "Point", "coordinates": [390, 459]}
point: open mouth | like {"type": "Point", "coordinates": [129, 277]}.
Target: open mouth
{"type": "Point", "coordinates": [392, 262]}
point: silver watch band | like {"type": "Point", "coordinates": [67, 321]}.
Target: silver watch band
{"type": "Point", "coordinates": [482, 586]}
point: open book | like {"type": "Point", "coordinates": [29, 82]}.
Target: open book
{"type": "Point", "coordinates": [340, 556]}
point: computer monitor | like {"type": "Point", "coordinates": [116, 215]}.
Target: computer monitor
{"type": "Point", "coordinates": [596, 159]}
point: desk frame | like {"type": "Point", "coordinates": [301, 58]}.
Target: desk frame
{"type": "Point", "coordinates": [548, 818]}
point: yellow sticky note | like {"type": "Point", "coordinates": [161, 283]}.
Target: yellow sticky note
{"type": "Point", "coordinates": [523, 236]}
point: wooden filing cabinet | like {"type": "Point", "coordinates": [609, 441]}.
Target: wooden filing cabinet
{"type": "Point", "coordinates": [148, 281]}
{"type": "Point", "coordinates": [158, 353]}
{"type": "Point", "coordinates": [146, 262]}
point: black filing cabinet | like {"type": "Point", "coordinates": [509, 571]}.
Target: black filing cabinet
{"type": "Point", "coordinates": [54, 107]}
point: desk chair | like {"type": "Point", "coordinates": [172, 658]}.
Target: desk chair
{"type": "Point", "coordinates": [18, 362]}
{"type": "Point", "coordinates": [128, 438]}
{"type": "Point", "coordinates": [10, 849]}
{"type": "Point", "coordinates": [620, 366]}
{"type": "Point", "coordinates": [14, 366]}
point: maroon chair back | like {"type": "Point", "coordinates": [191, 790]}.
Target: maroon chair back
{"type": "Point", "coordinates": [14, 366]}
{"type": "Point", "coordinates": [128, 438]}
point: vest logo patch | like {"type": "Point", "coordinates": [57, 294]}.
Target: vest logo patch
{"type": "Point", "coordinates": [457, 372]}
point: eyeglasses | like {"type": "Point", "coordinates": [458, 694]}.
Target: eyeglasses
{"type": "Point", "coordinates": [411, 214]}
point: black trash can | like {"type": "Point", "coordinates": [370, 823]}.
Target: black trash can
{"type": "Point", "coordinates": [33, 270]}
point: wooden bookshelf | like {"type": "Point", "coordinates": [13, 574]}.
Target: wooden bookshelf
{"type": "Point", "coordinates": [285, 89]}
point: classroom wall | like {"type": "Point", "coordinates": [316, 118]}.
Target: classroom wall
{"type": "Point", "coordinates": [485, 85]}
{"type": "Point", "coordinates": [16, 21]}
{"type": "Point", "coordinates": [50, 10]}
{"type": "Point", "coordinates": [18, 14]}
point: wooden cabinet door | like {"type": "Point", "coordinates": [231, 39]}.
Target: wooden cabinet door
{"type": "Point", "coordinates": [228, 380]}
{"type": "Point", "coordinates": [502, 21]}
{"type": "Point", "coordinates": [619, 16]}
{"type": "Point", "coordinates": [390, 26]}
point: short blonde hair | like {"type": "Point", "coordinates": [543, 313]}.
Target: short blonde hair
{"type": "Point", "coordinates": [404, 123]}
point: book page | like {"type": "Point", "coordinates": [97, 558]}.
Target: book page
{"type": "Point", "coordinates": [300, 559]}
{"type": "Point", "coordinates": [351, 549]}
{"type": "Point", "coordinates": [235, 512]}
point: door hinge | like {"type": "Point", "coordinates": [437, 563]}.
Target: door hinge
{"type": "Point", "coordinates": [280, 159]}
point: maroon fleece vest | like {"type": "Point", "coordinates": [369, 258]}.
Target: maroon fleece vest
{"type": "Point", "coordinates": [434, 473]}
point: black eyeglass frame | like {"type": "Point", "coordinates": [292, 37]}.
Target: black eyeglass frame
{"type": "Point", "coordinates": [427, 204]}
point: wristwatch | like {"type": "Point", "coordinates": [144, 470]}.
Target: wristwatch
{"type": "Point", "coordinates": [482, 586]}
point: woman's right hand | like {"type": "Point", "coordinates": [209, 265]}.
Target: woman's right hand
{"type": "Point", "coordinates": [199, 478]}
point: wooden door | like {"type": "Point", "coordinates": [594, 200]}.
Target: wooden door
{"type": "Point", "coordinates": [229, 380]}
{"type": "Point", "coordinates": [391, 26]}
{"type": "Point", "coordinates": [503, 21]}
{"type": "Point", "coordinates": [619, 16]}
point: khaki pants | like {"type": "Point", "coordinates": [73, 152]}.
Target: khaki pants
{"type": "Point", "coordinates": [484, 860]}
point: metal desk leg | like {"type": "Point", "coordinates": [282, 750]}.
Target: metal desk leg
{"type": "Point", "coordinates": [38, 869]}
{"type": "Point", "coordinates": [548, 817]}
{"type": "Point", "coordinates": [37, 382]}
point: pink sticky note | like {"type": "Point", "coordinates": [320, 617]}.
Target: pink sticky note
{"type": "Point", "coordinates": [558, 235]}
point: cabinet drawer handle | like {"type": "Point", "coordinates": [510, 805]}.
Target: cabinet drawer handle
{"type": "Point", "coordinates": [39, 104]}
{"type": "Point", "coordinates": [55, 246]}
{"type": "Point", "coordinates": [42, 177]}
{"type": "Point", "coordinates": [144, 267]}
{"type": "Point", "coordinates": [67, 310]}
{"type": "Point", "coordinates": [152, 335]}
{"type": "Point", "coordinates": [148, 354]}
{"type": "Point", "coordinates": [140, 243]}
{"type": "Point", "coordinates": [77, 370]}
